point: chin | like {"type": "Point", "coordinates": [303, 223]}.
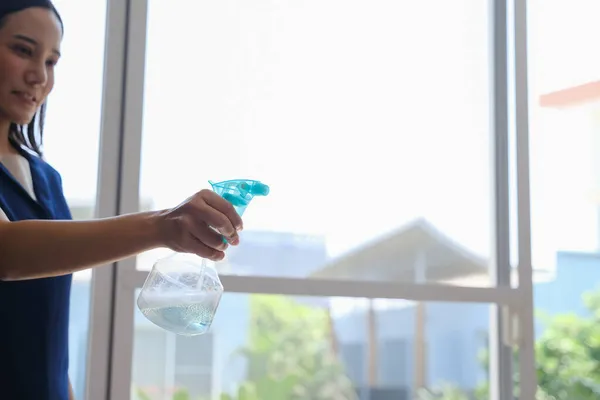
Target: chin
{"type": "Point", "coordinates": [22, 118]}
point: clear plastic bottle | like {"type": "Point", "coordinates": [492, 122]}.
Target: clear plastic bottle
{"type": "Point", "coordinates": [182, 291]}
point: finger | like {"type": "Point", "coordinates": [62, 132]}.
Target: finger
{"type": "Point", "coordinates": [225, 207]}
{"type": "Point", "coordinates": [215, 219]}
{"type": "Point", "coordinates": [208, 236]}
{"type": "Point", "coordinates": [202, 250]}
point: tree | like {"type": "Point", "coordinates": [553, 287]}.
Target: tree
{"type": "Point", "coordinates": [289, 356]}
{"type": "Point", "coordinates": [444, 392]}
{"type": "Point", "coordinates": [567, 356]}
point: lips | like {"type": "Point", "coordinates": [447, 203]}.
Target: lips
{"type": "Point", "coordinates": [26, 97]}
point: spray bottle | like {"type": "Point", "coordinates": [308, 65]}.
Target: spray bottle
{"type": "Point", "coordinates": [182, 291]}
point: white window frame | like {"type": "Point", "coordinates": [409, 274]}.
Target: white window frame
{"type": "Point", "coordinates": [114, 286]}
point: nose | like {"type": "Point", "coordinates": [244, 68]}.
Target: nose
{"type": "Point", "coordinates": [37, 74]}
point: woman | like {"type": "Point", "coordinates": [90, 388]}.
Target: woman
{"type": "Point", "coordinates": [39, 246]}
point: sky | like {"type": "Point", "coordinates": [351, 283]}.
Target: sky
{"type": "Point", "coordinates": [361, 116]}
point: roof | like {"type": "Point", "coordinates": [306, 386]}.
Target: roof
{"type": "Point", "coordinates": [573, 96]}
{"type": "Point", "coordinates": [394, 256]}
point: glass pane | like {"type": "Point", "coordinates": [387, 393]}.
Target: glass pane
{"type": "Point", "coordinates": [368, 119]}
{"type": "Point", "coordinates": [75, 124]}
{"type": "Point", "coordinates": [564, 74]}
{"type": "Point", "coordinates": [279, 347]}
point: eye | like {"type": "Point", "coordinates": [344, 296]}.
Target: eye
{"type": "Point", "coordinates": [51, 63]}
{"type": "Point", "coordinates": [23, 50]}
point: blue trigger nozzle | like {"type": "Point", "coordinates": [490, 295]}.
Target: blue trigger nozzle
{"type": "Point", "coordinates": [239, 192]}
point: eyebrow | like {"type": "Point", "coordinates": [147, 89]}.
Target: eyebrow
{"type": "Point", "coordinates": [33, 42]}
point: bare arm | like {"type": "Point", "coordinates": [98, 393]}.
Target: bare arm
{"type": "Point", "coordinates": [35, 249]}
{"type": "Point", "coordinates": [71, 393]}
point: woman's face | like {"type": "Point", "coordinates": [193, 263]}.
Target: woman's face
{"type": "Point", "coordinates": [29, 50]}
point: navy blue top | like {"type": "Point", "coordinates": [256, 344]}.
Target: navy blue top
{"type": "Point", "coordinates": [34, 314]}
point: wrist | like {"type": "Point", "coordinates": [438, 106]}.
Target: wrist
{"type": "Point", "coordinates": [156, 228]}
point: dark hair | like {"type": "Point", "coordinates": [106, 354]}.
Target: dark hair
{"type": "Point", "coordinates": [26, 135]}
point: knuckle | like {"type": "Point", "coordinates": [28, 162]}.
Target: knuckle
{"type": "Point", "coordinates": [186, 224]}
{"type": "Point", "coordinates": [178, 228]}
{"type": "Point", "coordinates": [196, 199]}
{"type": "Point", "coordinates": [227, 230]}
{"type": "Point", "coordinates": [197, 202]}
{"type": "Point", "coordinates": [222, 246]}
{"type": "Point", "coordinates": [229, 207]}
{"type": "Point", "coordinates": [223, 223]}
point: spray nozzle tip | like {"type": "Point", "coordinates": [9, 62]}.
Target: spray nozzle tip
{"type": "Point", "coordinates": [239, 192]}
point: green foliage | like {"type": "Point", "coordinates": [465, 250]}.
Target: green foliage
{"type": "Point", "coordinates": [444, 392]}
{"type": "Point", "coordinates": [288, 354]}
{"type": "Point", "coordinates": [181, 394]}
{"type": "Point", "coordinates": [567, 356]}
{"type": "Point", "coordinates": [141, 395]}
{"type": "Point", "coordinates": [289, 357]}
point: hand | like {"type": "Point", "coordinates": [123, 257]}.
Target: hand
{"type": "Point", "coordinates": [188, 228]}
{"type": "Point", "coordinates": [71, 393]}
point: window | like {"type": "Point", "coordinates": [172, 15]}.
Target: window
{"type": "Point", "coordinates": [372, 123]}
{"type": "Point", "coordinates": [395, 363]}
{"type": "Point", "coordinates": [336, 119]}
{"type": "Point", "coordinates": [194, 364]}
{"type": "Point", "coordinates": [354, 359]}
{"type": "Point", "coordinates": [308, 347]}
{"type": "Point", "coordinates": [165, 364]}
